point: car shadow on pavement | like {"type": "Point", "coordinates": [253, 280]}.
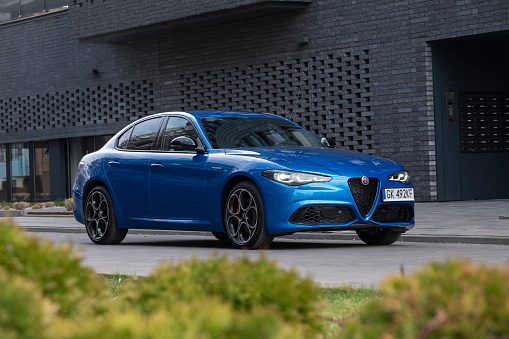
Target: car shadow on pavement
{"type": "Point", "coordinates": [212, 243]}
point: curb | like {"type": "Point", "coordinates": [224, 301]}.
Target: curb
{"type": "Point", "coordinates": [39, 214]}
{"type": "Point", "coordinates": [305, 236]}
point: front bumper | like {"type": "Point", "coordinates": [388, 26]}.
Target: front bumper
{"type": "Point", "coordinates": [335, 209]}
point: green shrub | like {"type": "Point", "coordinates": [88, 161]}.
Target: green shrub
{"type": "Point", "coordinates": [454, 299]}
{"type": "Point", "coordinates": [244, 284]}
{"type": "Point", "coordinates": [206, 318]}
{"type": "Point", "coordinates": [56, 270]}
{"type": "Point", "coordinates": [24, 313]}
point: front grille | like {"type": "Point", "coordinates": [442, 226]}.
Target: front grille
{"type": "Point", "coordinates": [392, 213]}
{"type": "Point", "coordinates": [364, 195]}
{"type": "Point", "coordinates": [322, 215]}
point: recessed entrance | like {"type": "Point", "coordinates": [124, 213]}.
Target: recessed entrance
{"type": "Point", "coordinates": [471, 94]}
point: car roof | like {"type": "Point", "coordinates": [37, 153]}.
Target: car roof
{"type": "Point", "coordinates": [221, 113]}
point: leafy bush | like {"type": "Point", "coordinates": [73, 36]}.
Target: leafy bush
{"type": "Point", "coordinates": [6, 208]}
{"type": "Point", "coordinates": [24, 313]}
{"type": "Point", "coordinates": [37, 206]}
{"type": "Point", "coordinates": [49, 204]}
{"type": "Point", "coordinates": [58, 272]}
{"type": "Point", "coordinates": [45, 292]}
{"type": "Point", "coordinates": [68, 203]}
{"type": "Point", "coordinates": [20, 205]}
{"type": "Point", "coordinates": [206, 318]}
{"type": "Point", "coordinates": [241, 283]}
{"type": "Point", "coordinates": [454, 299]}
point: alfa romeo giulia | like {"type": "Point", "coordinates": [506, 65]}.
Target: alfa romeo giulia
{"type": "Point", "coordinates": [245, 177]}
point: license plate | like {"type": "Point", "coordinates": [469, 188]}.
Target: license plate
{"type": "Point", "coordinates": [399, 194]}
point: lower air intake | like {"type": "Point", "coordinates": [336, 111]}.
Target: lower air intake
{"type": "Point", "coordinates": [322, 215]}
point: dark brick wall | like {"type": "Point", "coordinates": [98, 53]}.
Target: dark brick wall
{"type": "Point", "coordinates": [364, 75]}
{"type": "Point", "coordinates": [99, 17]}
{"type": "Point", "coordinates": [48, 89]}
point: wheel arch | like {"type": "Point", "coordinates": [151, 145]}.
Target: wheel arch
{"type": "Point", "coordinates": [90, 186]}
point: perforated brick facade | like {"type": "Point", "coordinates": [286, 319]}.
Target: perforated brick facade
{"type": "Point", "coordinates": [359, 71]}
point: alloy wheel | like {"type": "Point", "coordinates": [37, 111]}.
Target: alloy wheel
{"type": "Point", "coordinates": [241, 216]}
{"type": "Point", "coordinates": [97, 215]}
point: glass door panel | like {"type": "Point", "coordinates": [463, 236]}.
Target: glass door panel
{"type": "Point", "coordinates": [42, 176]}
{"type": "Point", "coordinates": [20, 171]}
{"type": "Point", "coordinates": [3, 173]}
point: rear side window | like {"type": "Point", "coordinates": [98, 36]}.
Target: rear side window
{"type": "Point", "coordinates": [140, 137]}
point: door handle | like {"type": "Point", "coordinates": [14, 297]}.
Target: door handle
{"type": "Point", "coordinates": [156, 164]}
{"type": "Point", "coordinates": [114, 163]}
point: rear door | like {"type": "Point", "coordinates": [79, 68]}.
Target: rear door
{"type": "Point", "coordinates": [127, 168]}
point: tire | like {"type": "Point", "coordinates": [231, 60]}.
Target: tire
{"type": "Point", "coordinates": [100, 221]}
{"type": "Point", "coordinates": [221, 236]}
{"type": "Point", "coordinates": [378, 236]}
{"type": "Point", "coordinates": [244, 217]}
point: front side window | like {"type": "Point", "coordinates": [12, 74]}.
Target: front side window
{"type": "Point", "coordinates": [177, 127]}
{"type": "Point", "coordinates": [235, 132]}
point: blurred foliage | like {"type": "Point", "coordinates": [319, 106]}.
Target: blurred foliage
{"type": "Point", "coordinates": [46, 292]}
{"type": "Point", "coordinates": [453, 299]}
{"type": "Point", "coordinates": [58, 272]}
{"type": "Point", "coordinates": [24, 313]}
{"type": "Point", "coordinates": [244, 284]}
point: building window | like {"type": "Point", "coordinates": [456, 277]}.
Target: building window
{"type": "Point", "coordinates": [20, 171]}
{"type": "Point", "coordinates": [3, 173]}
{"type": "Point", "coordinates": [42, 176]}
{"type": "Point", "coordinates": [13, 9]}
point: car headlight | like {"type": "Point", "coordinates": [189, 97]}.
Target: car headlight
{"type": "Point", "coordinates": [402, 176]}
{"type": "Point", "coordinates": [292, 178]}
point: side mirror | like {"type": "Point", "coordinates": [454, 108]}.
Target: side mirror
{"type": "Point", "coordinates": [329, 142]}
{"type": "Point", "coordinates": [185, 143]}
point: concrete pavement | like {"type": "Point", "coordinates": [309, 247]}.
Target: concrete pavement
{"type": "Point", "coordinates": [476, 222]}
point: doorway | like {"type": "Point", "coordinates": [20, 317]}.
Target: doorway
{"type": "Point", "coordinates": [471, 98]}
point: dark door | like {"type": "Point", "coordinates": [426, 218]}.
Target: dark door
{"type": "Point", "coordinates": [472, 117]}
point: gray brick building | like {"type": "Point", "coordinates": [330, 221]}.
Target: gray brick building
{"type": "Point", "coordinates": [423, 82]}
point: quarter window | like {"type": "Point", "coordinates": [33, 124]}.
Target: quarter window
{"type": "Point", "coordinates": [124, 139]}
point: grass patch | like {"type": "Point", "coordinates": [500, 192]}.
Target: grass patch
{"type": "Point", "coordinates": [341, 303]}
{"type": "Point", "coordinates": [115, 282]}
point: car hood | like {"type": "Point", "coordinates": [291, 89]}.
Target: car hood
{"type": "Point", "coordinates": [313, 159]}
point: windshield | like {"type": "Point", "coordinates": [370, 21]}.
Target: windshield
{"type": "Point", "coordinates": [235, 132]}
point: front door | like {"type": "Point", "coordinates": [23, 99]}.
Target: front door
{"type": "Point", "coordinates": [177, 177]}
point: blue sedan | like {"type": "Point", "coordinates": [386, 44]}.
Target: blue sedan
{"type": "Point", "coordinates": [245, 177]}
